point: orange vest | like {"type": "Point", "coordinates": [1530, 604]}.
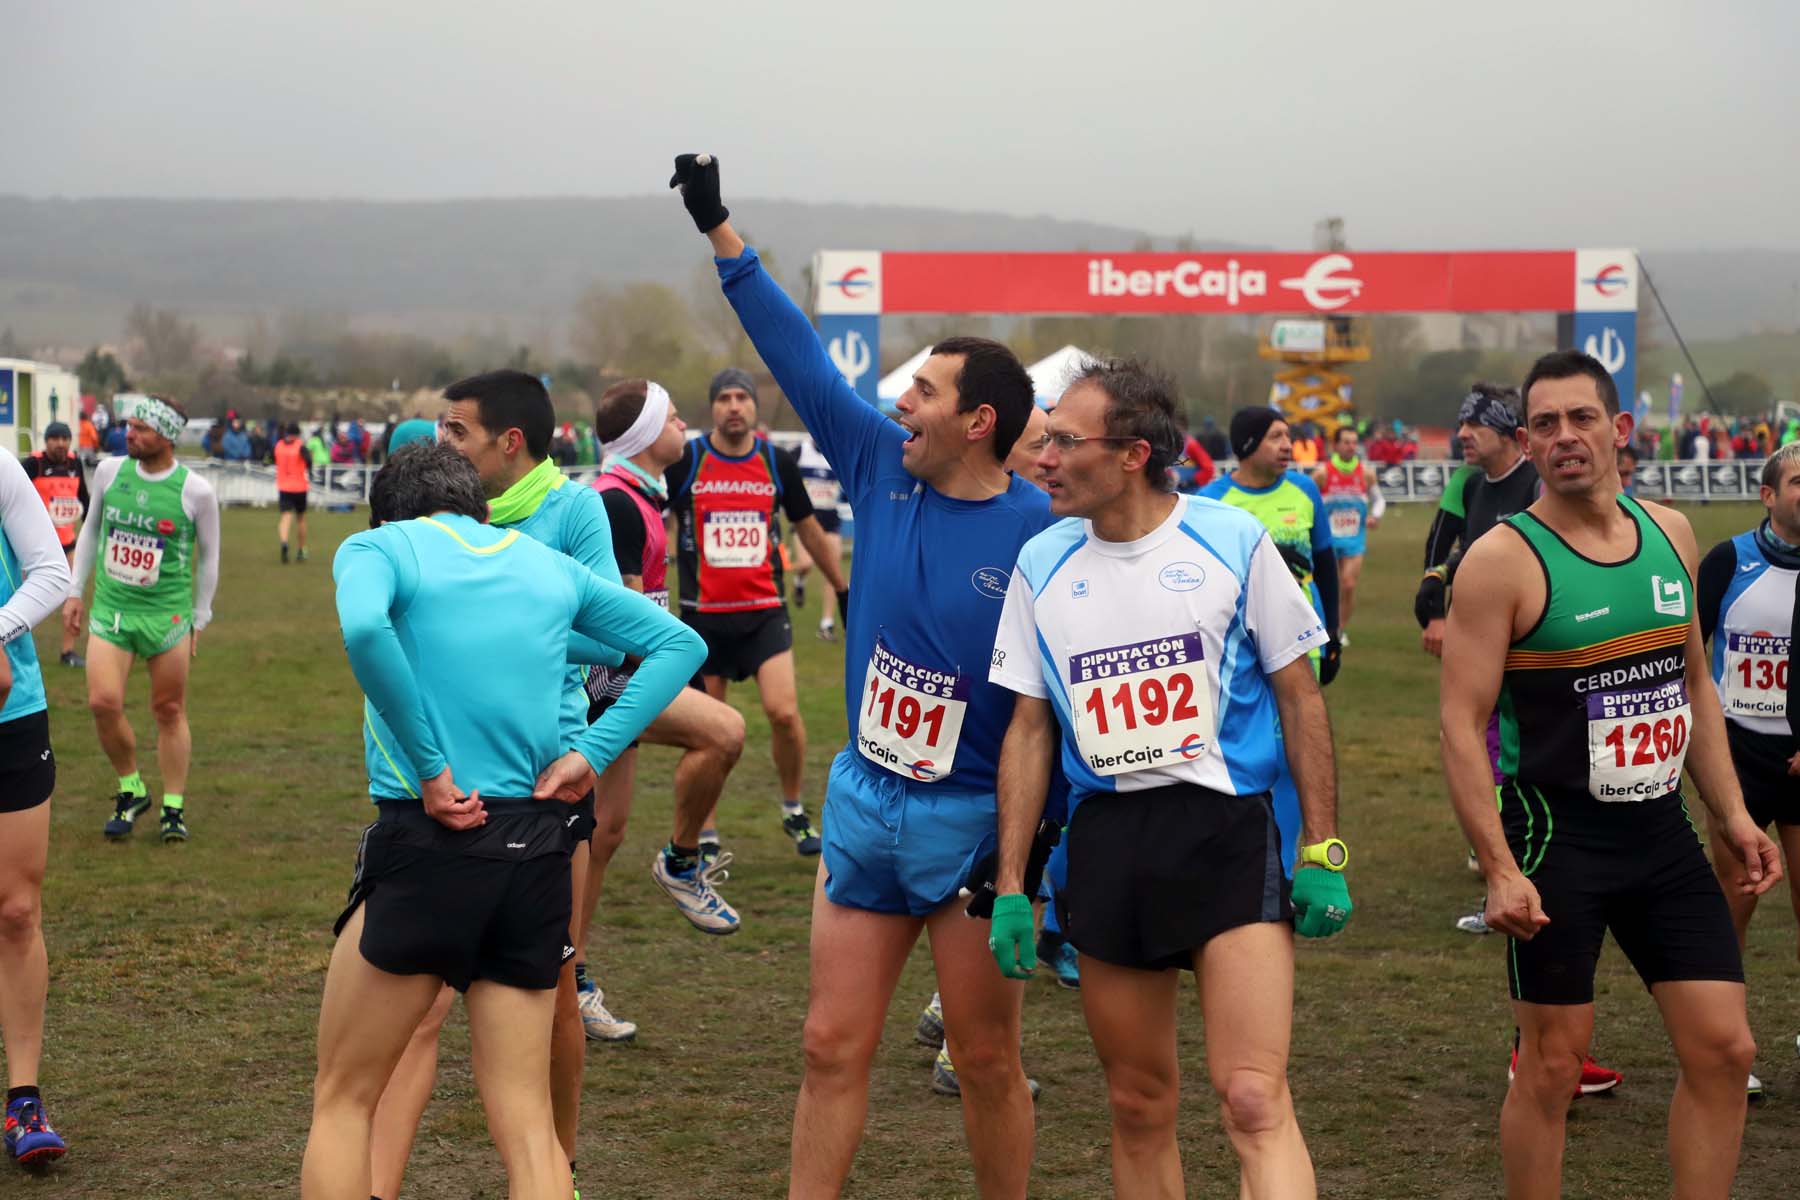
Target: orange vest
{"type": "Point", "coordinates": [290, 466]}
{"type": "Point", "coordinates": [61, 493]}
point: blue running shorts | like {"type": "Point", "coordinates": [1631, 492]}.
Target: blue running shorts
{"type": "Point", "coordinates": [890, 847]}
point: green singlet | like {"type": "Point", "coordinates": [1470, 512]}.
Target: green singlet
{"type": "Point", "coordinates": [144, 578]}
{"type": "Point", "coordinates": [1595, 694]}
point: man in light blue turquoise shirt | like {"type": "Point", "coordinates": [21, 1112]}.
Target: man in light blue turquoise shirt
{"type": "Point", "coordinates": [459, 634]}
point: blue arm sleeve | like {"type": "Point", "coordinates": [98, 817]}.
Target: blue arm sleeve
{"type": "Point", "coordinates": [1321, 529]}
{"type": "Point", "coordinates": [624, 620]}
{"type": "Point", "coordinates": [845, 428]}
{"type": "Point", "coordinates": [1325, 578]}
{"type": "Point", "coordinates": [372, 580]}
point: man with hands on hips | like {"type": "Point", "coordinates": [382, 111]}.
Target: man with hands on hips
{"type": "Point", "coordinates": [1179, 640]}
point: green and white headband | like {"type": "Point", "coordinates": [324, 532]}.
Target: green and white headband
{"type": "Point", "coordinates": [153, 412]}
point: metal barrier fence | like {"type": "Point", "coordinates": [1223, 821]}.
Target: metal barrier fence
{"type": "Point", "coordinates": [1729, 479]}
{"type": "Point", "coordinates": [347, 485]}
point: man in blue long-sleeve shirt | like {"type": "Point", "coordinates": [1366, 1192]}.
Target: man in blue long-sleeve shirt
{"type": "Point", "coordinates": [909, 806]}
{"type": "Point", "coordinates": [464, 877]}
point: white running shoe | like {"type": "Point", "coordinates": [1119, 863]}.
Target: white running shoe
{"type": "Point", "coordinates": [599, 1024]}
{"type": "Point", "coordinates": [1753, 1088]}
{"type": "Point", "coordinates": [1475, 922]}
{"type": "Point", "coordinates": [694, 896]}
{"type": "Point", "coordinates": [930, 1029]}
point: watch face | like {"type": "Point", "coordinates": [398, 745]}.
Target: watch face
{"type": "Point", "coordinates": [1336, 855]}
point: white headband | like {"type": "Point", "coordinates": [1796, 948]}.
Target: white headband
{"type": "Point", "coordinates": [152, 412]}
{"type": "Point", "coordinates": [646, 429]}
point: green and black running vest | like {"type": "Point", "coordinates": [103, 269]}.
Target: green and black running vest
{"type": "Point", "coordinates": [1596, 693]}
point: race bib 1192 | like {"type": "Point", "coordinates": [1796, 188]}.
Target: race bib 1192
{"type": "Point", "coordinates": [1637, 741]}
{"type": "Point", "coordinates": [1142, 705]}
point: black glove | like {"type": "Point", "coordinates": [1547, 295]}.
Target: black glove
{"type": "Point", "coordinates": [980, 884]}
{"type": "Point", "coordinates": [1296, 560]}
{"type": "Point", "coordinates": [1330, 659]}
{"type": "Point", "coordinates": [697, 175]}
{"type": "Point", "coordinates": [1428, 605]}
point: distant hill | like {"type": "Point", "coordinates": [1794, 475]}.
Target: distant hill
{"type": "Point", "coordinates": [69, 269]}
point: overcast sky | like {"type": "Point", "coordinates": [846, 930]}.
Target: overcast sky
{"type": "Point", "coordinates": [1655, 123]}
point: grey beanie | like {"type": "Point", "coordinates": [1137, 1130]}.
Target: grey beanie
{"type": "Point", "coordinates": [731, 377]}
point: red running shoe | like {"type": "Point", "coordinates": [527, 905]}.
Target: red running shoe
{"type": "Point", "coordinates": [1594, 1077]}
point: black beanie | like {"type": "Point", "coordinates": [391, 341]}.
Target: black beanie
{"type": "Point", "coordinates": [731, 377]}
{"type": "Point", "coordinates": [1249, 426]}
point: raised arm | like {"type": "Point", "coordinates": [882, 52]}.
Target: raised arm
{"type": "Point", "coordinates": [845, 428]}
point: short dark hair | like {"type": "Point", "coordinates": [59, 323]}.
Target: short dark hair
{"type": "Point", "coordinates": [1777, 464]}
{"type": "Point", "coordinates": [1567, 364]}
{"type": "Point", "coordinates": [1341, 430]}
{"type": "Point", "coordinates": [1628, 452]}
{"type": "Point", "coordinates": [423, 478]}
{"type": "Point", "coordinates": [510, 400]}
{"type": "Point", "coordinates": [992, 375]}
{"type": "Point", "coordinates": [619, 408]}
{"type": "Point", "coordinates": [293, 429]}
{"type": "Point", "coordinates": [1140, 403]}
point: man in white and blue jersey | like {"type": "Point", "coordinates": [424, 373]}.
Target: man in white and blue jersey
{"type": "Point", "coordinates": [910, 801]}
{"type": "Point", "coordinates": [1162, 638]}
{"type": "Point", "coordinates": [1749, 592]}
{"type": "Point", "coordinates": [464, 877]}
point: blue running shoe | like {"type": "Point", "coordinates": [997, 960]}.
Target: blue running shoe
{"type": "Point", "coordinates": [30, 1141]}
{"type": "Point", "coordinates": [127, 808]}
{"type": "Point", "coordinates": [1066, 963]}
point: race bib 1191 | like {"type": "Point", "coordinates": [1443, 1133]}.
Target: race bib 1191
{"type": "Point", "coordinates": [1637, 741]}
{"type": "Point", "coordinates": [912, 716]}
{"type": "Point", "coordinates": [1142, 705]}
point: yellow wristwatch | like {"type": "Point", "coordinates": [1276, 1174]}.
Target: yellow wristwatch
{"type": "Point", "coordinates": [1331, 854]}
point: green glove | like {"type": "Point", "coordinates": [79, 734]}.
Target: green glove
{"type": "Point", "coordinates": [1012, 936]}
{"type": "Point", "coordinates": [1321, 902]}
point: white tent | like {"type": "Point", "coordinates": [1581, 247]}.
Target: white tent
{"type": "Point", "coordinates": [1050, 376]}
{"type": "Point", "coordinates": [899, 379]}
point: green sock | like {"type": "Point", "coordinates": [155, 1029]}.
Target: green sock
{"type": "Point", "coordinates": [133, 784]}
{"type": "Point", "coordinates": [172, 800]}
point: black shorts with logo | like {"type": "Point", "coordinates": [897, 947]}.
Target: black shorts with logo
{"type": "Point", "coordinates": [294, 502]}
{"type": "Point", "coordinates": [1635, 868]}
{"type": "Point", "coordinates": [738, 644]}
{"type": "Point", "coordinates": [488, 903]}
{"type": "Point", "coordinates": [27, 764]}
{"type": "Point", "coordinates": [1154, 875]}
{"type": "Point", "coordinates": [1761, 759]}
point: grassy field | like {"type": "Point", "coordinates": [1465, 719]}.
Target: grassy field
{"type": "Point", "coordinates": [186, 979]}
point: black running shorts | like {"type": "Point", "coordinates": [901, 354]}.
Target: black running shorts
{"type": "Point", "coordinates": [579, 820]}
{"type": "Point", "coordinates": [738, 644]}
{"type": "Point", "coordinates": [488, 903]}
{"type": "Point", "coordinates": [1634, 868]}
{"type": "Point", "coordinates": [1761, 759]}
{"type": "Point", "coordinates": [294, 502]}
{"type": "Point", "coordinates": [1155, 875]}
{"type": "Point", "coordinates": [27, 765]}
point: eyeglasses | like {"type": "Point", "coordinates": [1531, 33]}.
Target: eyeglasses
{"type": "Point", "coordinates": [1066, 442]}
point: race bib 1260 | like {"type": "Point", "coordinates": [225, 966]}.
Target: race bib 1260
{"type": "Point", "coordinates": [133, 559]}
{"type": "Point", "coordinates": [1756, 675]}
{"type": "Point", "coordinates": [1142, 705]}
{"type": "Point", "coordinates": [1637, 741]}
{"type": "Point", "coordinates": [736, 539]}
{"type": "Point", "coordinates": [912, 716]}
